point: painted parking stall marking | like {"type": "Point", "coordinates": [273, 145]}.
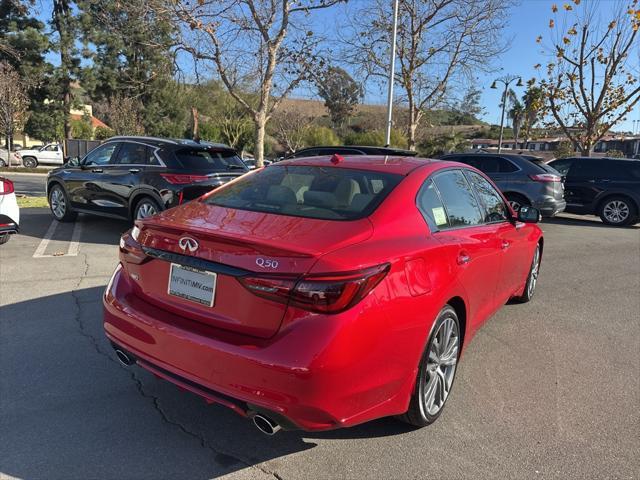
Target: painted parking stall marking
{"type": "Point", "coordinates": [55, 240]}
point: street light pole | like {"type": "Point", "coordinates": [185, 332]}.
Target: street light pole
{"type": "Point", "coordinates": [506, 80]}
{"type": "Point", "coordinates": [392, 72]}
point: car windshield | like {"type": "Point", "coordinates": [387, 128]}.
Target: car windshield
{"type": "Point", "coordinates": [206, 160]}
{"type": "Point", "coordinates": [307, 191]}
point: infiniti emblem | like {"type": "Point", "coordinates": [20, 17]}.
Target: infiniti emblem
{"type": "Point", "coordinates": [188, 243]}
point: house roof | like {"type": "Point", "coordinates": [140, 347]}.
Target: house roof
{"type": "Point", "coordinates": [95, 123]}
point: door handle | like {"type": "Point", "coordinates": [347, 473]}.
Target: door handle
{"type": "Point", "coordinates": [505, 244]}
{"type": "Point", "coordinates": [96, 170]}
{"type": "Point", "coordinates": [463, 259]}
{"type": "Point", "coordinates": [134, 170]}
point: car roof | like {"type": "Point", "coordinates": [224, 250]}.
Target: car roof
{"type": "Point", "coordinates": [366, 149]}
{"type": "Point", "coordinates": [158, 141]}
{"type": "Point", "coordinates": [378, 163]}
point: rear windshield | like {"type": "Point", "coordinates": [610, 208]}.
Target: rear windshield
{"type": "Point", "coordinates": [311, 192]}
{"type": "Point", "coordinates": [207, 160]}
{"type": "Point", "coordinates": [541, 163]}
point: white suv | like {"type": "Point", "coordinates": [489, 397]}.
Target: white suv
{"type": "Point", "coordinates": [49, 154]}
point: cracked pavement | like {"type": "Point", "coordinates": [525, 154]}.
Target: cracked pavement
{"type": "Point", "coordinates": [550, 389]}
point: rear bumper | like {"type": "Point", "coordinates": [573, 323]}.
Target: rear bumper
{"type": "Point", "coordinates": [8, 225]}
{"type": "Point", "coordinates": [550, 207]}
{"type": "Point", "coordinates": [312, 375]}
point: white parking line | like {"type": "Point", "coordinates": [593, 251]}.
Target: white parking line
{"type": "Point", "coordinates": [39, 253]}
{"type": "Point", "coordinates": [74, 244]}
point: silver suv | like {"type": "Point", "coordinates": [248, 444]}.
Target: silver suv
{"type": "Point", "coordinates": [524, 180]}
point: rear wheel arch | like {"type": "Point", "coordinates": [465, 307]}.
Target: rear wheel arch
{"type": "Point", "coordinates": [457, 303]}
{"type": "Point", "coordinates": [139, 195]}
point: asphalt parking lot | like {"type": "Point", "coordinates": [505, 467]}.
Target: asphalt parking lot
{"type": "Point", "coordinates": [550, 389]}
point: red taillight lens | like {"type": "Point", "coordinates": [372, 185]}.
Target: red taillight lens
{"type": "Point", "coordinates": [330, 293]}
{"type": "Point", "coordinates": [180, 179]}
{"type": "Point", "coordinates": [130, 249]}
{"type": "Point", "coordinates": [7, 186]}
{"type": "Point", "coordinates": [545, 177]}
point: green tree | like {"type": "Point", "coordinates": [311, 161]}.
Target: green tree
{"type": "Point", "coordinates": [533, 106]}
{"type": "Point", "coordinates": [468, 109]}
{"type": "Point", "coordinates": [130, 50]}
{"type": "Point", "coordinates": [317, 136]}
{"type": "Point", "coordinates": [24, 44]}
{"type": "Point", "coordinates": [516, 115]}
{"type": "Point", "coordinates": [81, 128]}
{"type": "Point", "coordinates": [340, 93]}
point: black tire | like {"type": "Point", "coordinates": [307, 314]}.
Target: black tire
{"type": "Point", "coordinates": [2, 163]}
{"type": "Point", "coordinates": [4, 238]}
{"type": "Point", "coordinates": [418, 413]}
{"type": "Point", "coordinates": [618, 211]}
{"type": "Point", "coordinates": [59, 204]}
{"type": "Point", "coordinates": [516, 200]}
{"type": "Point", "coordinates": [29, 162]}
{"type": "Point", "coordinates": [532, 278]}
{"type": "Point", "coordinates": [144, 207]}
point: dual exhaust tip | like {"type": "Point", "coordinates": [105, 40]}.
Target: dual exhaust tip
{"type": "Point", "coordinates": [262, 423]}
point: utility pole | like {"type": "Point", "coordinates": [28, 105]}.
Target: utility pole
{"type": "Point", "coordinates": [392, 72]}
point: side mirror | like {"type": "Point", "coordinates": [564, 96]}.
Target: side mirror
{"type": "Point", "coordinates": [73, 162]}
{"type": "Point", "coordinates": [529, 215]}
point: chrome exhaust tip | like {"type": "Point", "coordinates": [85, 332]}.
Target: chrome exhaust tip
{"type": "Point", "coordinates": [266, 425]}
{"type": "Point", "coordinates": [124, 359]}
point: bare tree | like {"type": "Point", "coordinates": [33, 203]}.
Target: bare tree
{"type": "Point", "coordinates": [264, 44]}
{"type": "Point", "coordinates": [592, 77]}
{"type": "Point", "coordinates": [290, 128]}
{"type": "Point", "coordinates": [123, 115]}
{"type": "Point", "coordinates": [13, 102]}
{"type": "Point", "coordinates": [439, 42]}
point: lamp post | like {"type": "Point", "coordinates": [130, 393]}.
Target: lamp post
{"type": "Point", "coordinates": [392, 71]}
{"type": "Point", "coordinates": [506, 80]}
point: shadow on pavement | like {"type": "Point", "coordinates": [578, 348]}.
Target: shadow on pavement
{"type": "Point", "coordinates": [70, 410]}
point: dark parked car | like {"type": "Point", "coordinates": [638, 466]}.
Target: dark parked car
{"type": "Point", "coordinates": [523, 179]}
{"type": "Point", "coordinates": [350, 150]}
{"type": "Point", "coordinates": [136, 177]}
{"type": "Point", "coordinates": [607, 187]}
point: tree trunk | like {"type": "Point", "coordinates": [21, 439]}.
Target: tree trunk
{"type": "Point", "coordinates": [260, 121]}
{"type": "Point", "coordinates": [413, 125]}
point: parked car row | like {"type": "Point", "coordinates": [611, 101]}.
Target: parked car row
{"type": "Point", "coordinates": [134, 177]}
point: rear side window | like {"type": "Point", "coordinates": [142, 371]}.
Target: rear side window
{"type": "Point", "coordinates": [306, 191]}
{"type": "Point", "coordinates": [207, 160]}
{"type": "Point", "coordinates": [135, 154]}
{"type": "Point", "coordinates": [495, 165]}
{"type": "Point", "coordinates": [562, 166]}
{"type": "Point", "coordinates": [459, 201]}
{"type": "Point", "coordinates": [431, 206]}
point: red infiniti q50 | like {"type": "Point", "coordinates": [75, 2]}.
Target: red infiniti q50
{"type": "Point", "coordinates": [322, 292]}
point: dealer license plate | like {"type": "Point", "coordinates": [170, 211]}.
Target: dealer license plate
{"type": "Point", "coordinates": [192, 284]}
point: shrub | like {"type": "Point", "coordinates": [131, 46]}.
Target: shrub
{"type": "Point", "coordinates": [375, 138]}
{"type": "Point", "coordinates": [316, 136]}
{"type": "Point", "coordinates": [102, 133]}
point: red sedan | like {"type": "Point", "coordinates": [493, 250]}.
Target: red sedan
{"type": "Point", "coordinates": [322, 292]}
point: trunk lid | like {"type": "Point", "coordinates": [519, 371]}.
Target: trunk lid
{"type": "Point", "coordinates": [234, 243]}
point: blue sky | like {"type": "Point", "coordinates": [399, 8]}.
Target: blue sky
{"type": "Point", "coordinates": [527, 20]}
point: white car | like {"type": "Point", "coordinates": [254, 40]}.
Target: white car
{"type": "Point", "coordinates": [50, 154]}
{"type": "Point", "coordinates": [5, 155]}
{"type": "Point", "coordinates": [9, 211]}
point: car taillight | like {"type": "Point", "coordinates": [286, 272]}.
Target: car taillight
{"type": "Point", "coordinates": [180, 179]}
{"type": "Point", "coordinates": [545, 177]}
{"type": "Point", "coordinates": [326, 293]}
{"type": "Point", "coordinates": [7, 186]}
{"type": "Point", "coordinates": [130, 250]}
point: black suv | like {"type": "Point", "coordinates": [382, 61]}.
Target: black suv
{"type": "Point", "coordinates": [523, 179]}
{"type": "Point", "coordinates": [351, 150]}
{"type": "Point", "coordinates": [607, 187]}
{"type": "Point", "coordinates": [135, 177]}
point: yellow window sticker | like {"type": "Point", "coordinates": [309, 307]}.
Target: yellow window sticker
{"type": "Point", "coordinates": [439, 216]}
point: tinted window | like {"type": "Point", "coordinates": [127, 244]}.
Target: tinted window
{"type": "Point", "coordinates": [306, 153]}
{"type": "Point", "coordinates": [586, 169]}
{"type": "Point", "coordinates": [473, 161]}
{"type": "Point", "coordinates": [622, 170]}
{"type": "Point", "coordinates": [562, 166]}
{"type": "Point", "coordinates": [136, 154]}
{"type": "Point", "coordinates": [207, 160]}
{"type": "Point", "coordinates": [431, 206]}
{"type": "Point", "coordinates": [312, 192]}
{"type": "Point", "coordinates": [459, 202]}
{"type": "Point", "coordinates": [100, 155]}
{"type": "Point", "coordinates": [494, 208]}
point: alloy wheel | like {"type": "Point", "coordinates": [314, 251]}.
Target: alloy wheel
{"type": "Point", "coordinates": [441, 365]}
{"type": "Point", "coordinates": [58, 203]}
{"type": "Point", "coordinates": [616, 211]}
{"type": "Point", "coordinates": [145, 210]}
{"type": "Point", "coordinates": [535, 270]}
